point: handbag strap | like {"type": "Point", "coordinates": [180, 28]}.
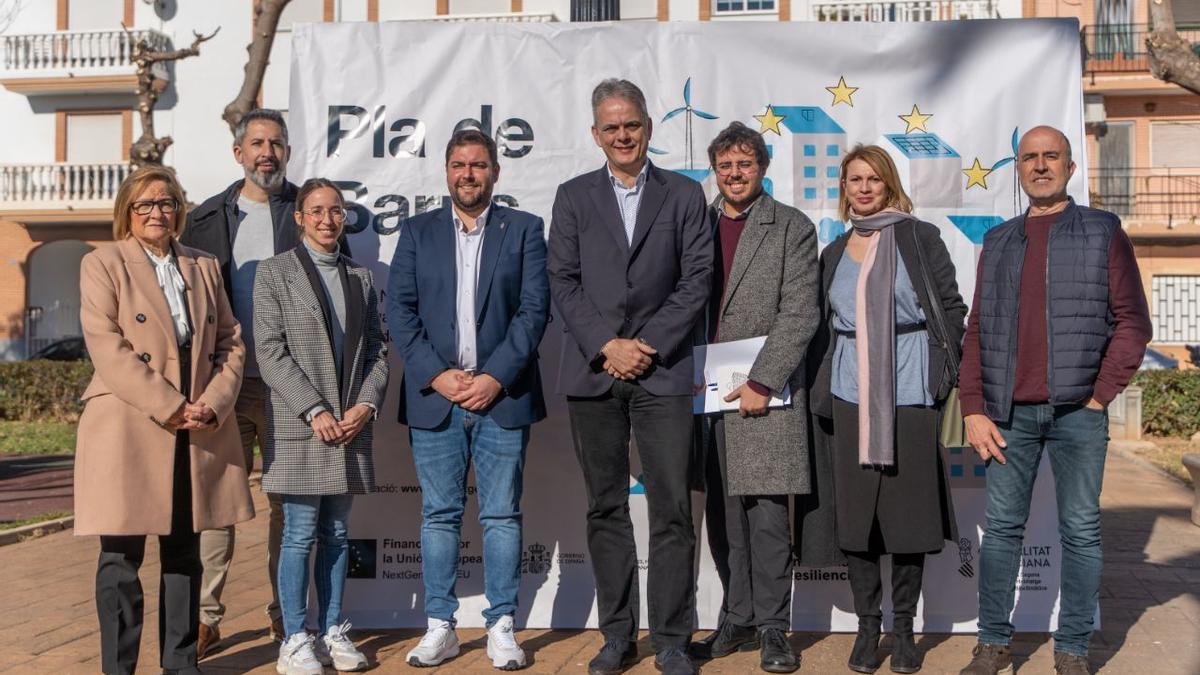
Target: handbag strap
{"type": "Point", "coordinates": [939, 315]}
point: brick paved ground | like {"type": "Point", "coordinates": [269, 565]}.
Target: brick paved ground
{"type": "Point", "coordinates": [33, 485]}
{"type": "Point", "coordinates": [1150, 601]}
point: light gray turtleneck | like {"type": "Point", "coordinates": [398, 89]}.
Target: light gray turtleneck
{"type": "Point", "coordinates": [327, 269]}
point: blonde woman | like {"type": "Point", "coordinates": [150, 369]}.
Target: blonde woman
{"type": "Point", "coordinates": [158, 451]}
{"type": "Point", "coordinates": [893, 325]}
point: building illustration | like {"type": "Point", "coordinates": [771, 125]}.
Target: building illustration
{"type": "Point", "coordinates": [818, 144]}
{"type": "Point", "coordinates": [930, 169]}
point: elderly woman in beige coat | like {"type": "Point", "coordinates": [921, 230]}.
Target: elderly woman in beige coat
{"type": "Point", "coordinates": [158, 450]}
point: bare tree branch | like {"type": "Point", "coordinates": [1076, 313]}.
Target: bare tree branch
{"type": "Point", "coordinates": [266, 21]}
{"type": "Point", "coordinates": [1171, 56]}
{"type": "Point", "coordinates": [148, 149]}
{"type": "Point", "coordinates": [193, 50]}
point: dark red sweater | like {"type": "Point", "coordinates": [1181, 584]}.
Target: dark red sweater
{"type": "Point", "coordinates": [1126, 300]}
{"type": "Point", "coordinates": [729, 231]}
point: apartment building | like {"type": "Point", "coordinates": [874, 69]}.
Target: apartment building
{"type": "Point", "coordinates": [66, 83]}
{"type": "Point", "coordinates": [1144, 153]}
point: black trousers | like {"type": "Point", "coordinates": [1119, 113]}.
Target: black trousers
{"type": "Point", "coordinates": [119, 596]}
{"type": "Point", "coordinates": [662, 427]}
{"type": "Point", "coordinates": [750, 540]}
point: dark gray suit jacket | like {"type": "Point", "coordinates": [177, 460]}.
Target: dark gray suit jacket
{"type": "Point", "coordinates": [603, 286]}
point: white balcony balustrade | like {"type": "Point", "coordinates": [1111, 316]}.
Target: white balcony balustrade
{"type": "Point", "coordinates": [507, 17]}
{"type": "Point", "coordinates": [60, 186]}
{"type": "Point", "coordinates": [82, 62]}
{"type": "Point", "coordinates": [904, 10]}
{"type": "Point", "coordinates": [76, 50]}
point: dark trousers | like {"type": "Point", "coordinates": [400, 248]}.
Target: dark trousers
{"type": "Point", "coordinates": [119, 597]}
{"type": "Point", "coordinates": [662, 427]}
{"type": "Point", "coordinates": [862, 568]}
{"type": "Point", "coordinates": [750, 540]}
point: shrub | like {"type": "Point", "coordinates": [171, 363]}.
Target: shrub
{"type": "Point", "coordinates": [1170, 401]}
{"type": "Point", "coordinates": [32, 391]}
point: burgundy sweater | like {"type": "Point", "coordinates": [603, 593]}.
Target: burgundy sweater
{"type": "Point", "coordinates": [1126, 300]}
{"type": "Point", "coordinates": [729, 232]}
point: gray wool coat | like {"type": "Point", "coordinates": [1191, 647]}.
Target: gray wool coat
{"type": "Point", "coordinates": [296, 362]}
{"type": "Point", "coordinates": [772, 291]}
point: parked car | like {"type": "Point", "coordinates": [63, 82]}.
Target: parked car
{"type": "Point", "coordinates": [69, 349]}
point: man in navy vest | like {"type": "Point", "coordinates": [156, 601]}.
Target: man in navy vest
{"type": "Point", "coordinates": [468, 302]}
{"type": "Point", "coordinates": [1058, 326]}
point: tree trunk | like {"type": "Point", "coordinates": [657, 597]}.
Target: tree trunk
{"type": "Point", "coordinates": [148, 149]}
{"type": "Point", "coordinates": [1171, 57]}
{"type": "Point", "coordinates": [266, 20]}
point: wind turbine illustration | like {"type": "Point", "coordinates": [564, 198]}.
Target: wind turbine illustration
{"type": "Point", "coordinates": [689, 110]}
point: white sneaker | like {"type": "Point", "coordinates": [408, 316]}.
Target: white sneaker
{"type": "Point", "coordinates": [335, 649]}
{"type": "Point", "coordinates": [296, 656]}
{"type": "Point", "coordinates": [440, 643]}
{"type": "Point", "coordinates": [502, 648]}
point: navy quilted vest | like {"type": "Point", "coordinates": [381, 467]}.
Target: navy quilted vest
{"type": "Point", "coordinates": [1077, 312]}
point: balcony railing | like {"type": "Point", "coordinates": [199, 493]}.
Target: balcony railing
{"type": "Point", "coordinates": [60, 185]}
{"type": "Point", "coordinates": [1153, 196]}
{"type": "Point", "coordinates": [75, 50]}
{"type": "Point", "coordinates": [904, 10]}
{"type": "Point", "coordinates": [1121, 48]}
{"type": "Point", "coordinates": [505, 17]}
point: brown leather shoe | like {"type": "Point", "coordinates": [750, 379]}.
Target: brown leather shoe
{"type": "Point", "coordinates": [209, 638]}
{"type": "Point", "coordinates": [276, 630]}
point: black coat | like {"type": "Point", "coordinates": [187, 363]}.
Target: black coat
{"type": "Point", "coordinates": [860, 492]}
{"type": "Point", "coordinates": [604, 287]}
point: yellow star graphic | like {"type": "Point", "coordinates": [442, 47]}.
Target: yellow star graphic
{"type": "Point", "coordinates": [977, 175]}
{"type": "Point", "coordinates": [915, 121]}
{"type": "Point", "coordinates": [769, 121]}
{"type": "Point", "coordinates": [842, 92]}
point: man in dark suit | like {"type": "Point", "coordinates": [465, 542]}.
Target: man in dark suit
{"type": "Point", "coordinates": [467, 306]}
{"type": "Point", "coordinates": [630, 260]}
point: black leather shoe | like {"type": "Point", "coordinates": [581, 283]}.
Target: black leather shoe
{"type": "Point", "coordinates": [674, 661]}
{"type": "Point", "coordinates": [863, 657]}
{"type": "Point", "coordinates": [726, 639]}
{"type": "Point", "coordinates": [777, 655]}
{"type": "Point", "coordinates": [614, 657]}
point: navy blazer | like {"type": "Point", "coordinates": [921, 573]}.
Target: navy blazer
{"type": "Point", "coordinates": [604, 287]}
{"type": "Point", "coordinates": [512, 304]}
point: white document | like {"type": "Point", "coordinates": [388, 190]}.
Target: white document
{"type": "Point", "coordinates": [721, 368]}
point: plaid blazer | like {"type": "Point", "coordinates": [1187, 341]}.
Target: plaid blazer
{"type": "Point", "coordinates": [296, 362]}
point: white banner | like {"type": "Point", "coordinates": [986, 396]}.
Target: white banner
{"type": "Point", "coordinates": [372, 106]}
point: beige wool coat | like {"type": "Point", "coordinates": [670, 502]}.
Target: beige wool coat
{"type": "Point", "coordinates": [124, 457]}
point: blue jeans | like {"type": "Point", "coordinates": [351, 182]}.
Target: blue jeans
{"type": "Point", "coordinates": [307, 519]}
{"type": "Point", "coordinates": [1077, 440]}
{"type": "Point", "coordinates": [442, 456]}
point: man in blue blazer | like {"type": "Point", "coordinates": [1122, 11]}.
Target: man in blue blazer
{"type": "Point", "coordinates": [467, 306]}
{"type": "Point", "coordinates": [630, 266]}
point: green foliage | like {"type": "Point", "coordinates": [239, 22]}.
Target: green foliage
{"type": "Point", "coordinates": [32, 391]}
{"type": "Point", "coordinates": [1170, 401]}
{"type": "Point", "coordinates": [37, 438]}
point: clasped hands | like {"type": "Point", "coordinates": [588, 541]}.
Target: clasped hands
{"type": "Point", "coordinates": [627, 359]}
{"type": "Point", "coordinates": [192, 417]}
{"type": "Point", "coordinates": [331, 431]}
{"type": "Point", "coordinates": [471, 391]}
